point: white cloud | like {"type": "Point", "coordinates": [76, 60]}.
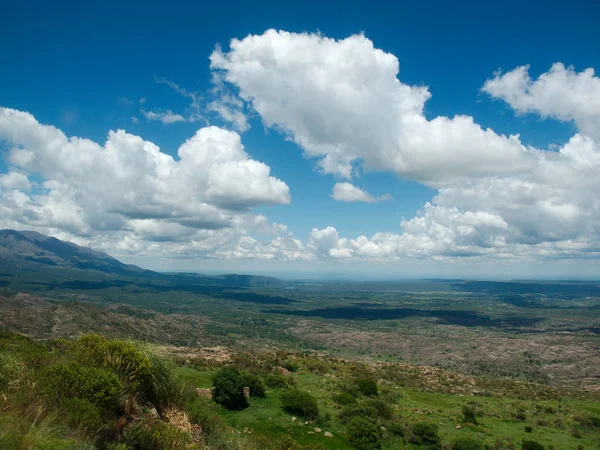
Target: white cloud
{"type": "Point", "coordinates": [128, 195]}
{"type": "Point", "coordinates": [166, 117]}
{"type": "Point", "coordinates": [15, 180]}
{"type": "Point", "coordinates": [346, 192]}
{"type": "Point", "coordinates": [341, 102]}
{"type": "Point", "coordinates": [562, 93]}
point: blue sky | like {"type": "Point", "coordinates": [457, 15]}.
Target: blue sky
{"type": "Point", "coordinates": [84, 68]}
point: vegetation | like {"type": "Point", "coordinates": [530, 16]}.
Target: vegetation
{"type": "Point", "coordinates": [228, 389]}
{"type": "Point", "coordinates": [300, 402]}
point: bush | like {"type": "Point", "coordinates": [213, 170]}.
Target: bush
{"type": "Point", "coordinates": [154, 434]}
{"type": "Point", "coordinates": [362, 410]}
{"type": "Point", "coordinates": [364, 434]}
{"type": "Point", "coordinates": [292, 366]}
{"type": "Point", "coordinates": [466, 443]}
{"type": "Point", "coordinates": [367, 386]}
{"type": "Point", "coordinates": [469, 414]}
{"type": "Point", "coordinates": [11, 370]}
{"type": "Point", "coordinates": [532, 445]}
{"type": "Point", "coordinates": [274, 380]}
{"type": "Point", "coordinates": [528, 429]}
{"type": "Point", "coordinates": [397, 428]}
{"type": "Point", "coordinates": [384, 410]}
{"type": "Point", "coordinates": [142, 370]}
{"type": "Point", "coordinates": [300, 402]}
{"type": "Point", "coordinates": [344, 398]}
{"type": "Point", "coordinates": [82, 414]}
{"type": "Point", "coordinates": [255, 384]}
{"type": "Point", "coordinates": [228, 389]}
{"type": "Point", "coordinates": [425, 434]}
{"type": "Point", "coordinates": [205, 413]}
{"type": "Point", "coordinates": [100, 387]}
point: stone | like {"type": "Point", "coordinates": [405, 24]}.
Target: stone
{"type": "Point", "coordinates": [328, 434]}
{"type": "Point", "coordinates": [294, 419]}
{"type": "Point", "coordinates": [317, 430]}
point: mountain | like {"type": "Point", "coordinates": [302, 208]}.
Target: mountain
{"type": "Point", "coordinates": [29, 246]}
{"type": "Point", "coordinates": [32, 262]}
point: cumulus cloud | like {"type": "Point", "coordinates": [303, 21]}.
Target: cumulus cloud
{"type": "Point", "coordinates": [346, 192]}
{"type": "Point", "coordinates": [128, 191]}
{"type": "Point", "coordinates": [342, 102]}
{"type": "Point", "coordinates": [561, 93]}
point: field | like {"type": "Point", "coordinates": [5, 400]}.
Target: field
{"type": "Point", "coordinates": [524, 357]}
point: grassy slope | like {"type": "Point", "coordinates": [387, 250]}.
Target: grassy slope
{"type": "Point", "coordinates": [265, 416]}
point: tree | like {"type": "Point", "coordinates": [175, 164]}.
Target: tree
{"type": "Point", "coordinates": [364, 434]}
{"type": "Point", "coordinates": [300, 402]}
{"type": "Point", "coordinates": [228, 389]}
{"type": "Point", "coordinates": [368, 386]}
{"type": "Point", "coordinates": [532, 445]}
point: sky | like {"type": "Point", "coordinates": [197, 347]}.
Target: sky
{"type": "Point", "coordinates": [308, 139]}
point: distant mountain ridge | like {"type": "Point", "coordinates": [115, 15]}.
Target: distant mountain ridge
{"type": "Point", "coordinates": [35, 247]}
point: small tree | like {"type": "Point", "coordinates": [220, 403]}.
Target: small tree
{"type": "Point", "coordinates": [364, 434]}
{"type": "Point", "coordinates": [255, 384]}
{"type": "Point", "coordinates": [228, 389]}
{"type": "Point", "coordinates": [425, 434]}
{"type": "Point", "coordinates": [367, 386]}
{"type": "Point", "coordinates": [300, 402]}
{"type": "Point", "coordinates": [532, 445]}
{"type": "Point", "coordinates": [469, 414]}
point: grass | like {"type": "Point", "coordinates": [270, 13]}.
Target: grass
{"type": "Point", "coordinates": [266, 417]}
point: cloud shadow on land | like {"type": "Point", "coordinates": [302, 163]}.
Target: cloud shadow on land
{"type": "Point", "coordinates": [448, 317]}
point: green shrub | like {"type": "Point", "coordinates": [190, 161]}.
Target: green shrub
{"type": "Point", "coordinates": [588, 421]}
{"type": "Point", "coordinates": [161, 388]}
{"type": "Point", "coordinates": [11, 369]}
{"type": "Point", "coordinates": [154, 434]}
{"type": "Point", "coordinates": [532, 445]}
{"type": "Point", "coordinates": [363, 434]}
{"type": "Point", "coordinates": [469, 414]}
{"type": "Point", "coordinates": [255, 384]}
{"type": "Point", "coordinates": [344, 398]}
{"type": "Point", "coordinates": [528, 429]}
{"type": "Point", "coordinates": [384, 410]}
{"type": "Point", "coordinates": [82, 414]}
{"type": "Point", "coordinates": [362, 410]}
{"type": "Point", "coordinates": [292, 366]}
{"type": "Point", "coordinates": [100, 387]}
{"type": "Point", "coordinates": [274, 380]}
{"type": "Point", "coordinates": [367, 386]}
{"type": "Point", "coordinates": [141, 370]}
{"type": "Point", "coordinates": [300, 402]}
{"type": "Point", "coordinates": [397, 428]}
{"type": "Point", "coordinates": [466, 443]}
{"type": "Point", "coordinates": [228, 389]}
{"type": "Point", "coordinates": [425, 434]}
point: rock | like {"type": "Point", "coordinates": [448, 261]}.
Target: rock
{"type": "Point", "coordinates": [246, 392]}
{"type": "Point", "coordinates": [283, 371]}
{"type": "Point", "coordinates": [328, 434]}
{"type": "Point", "coordinates": [457, 427]}
{"type": "Point", "coordinates": [306, 423]}
{"type": "Point", "coordinates": [205, 393]}
{"type": "Point", "coordinates": [311, 432]}
{"type": "Point", "coordinates": [317, 430]}
{"type": "Point", "coordinates": [154, 413]}
{"type": "Point", "coordinates": [294, 419]}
